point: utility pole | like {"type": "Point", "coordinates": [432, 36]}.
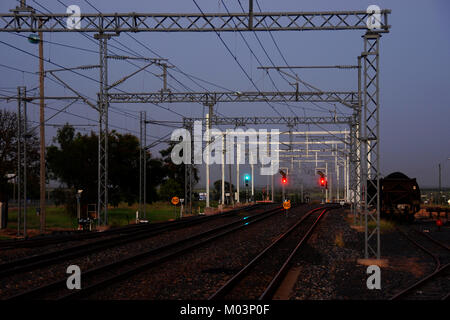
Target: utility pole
{"type": "Point", "coordinates": [330, 183]}
{"type": "Point", "coordinates": [223, 170]}
{"type": "Point", "coordinates": [142, 164]}
{"type": "Point", "coordinates": [336, 166]}
{"type": "Point", "coordinates": [141, 147]}
{"type": "Point", "coordinates": [145, 165]}
{"type": "Point", "coordinates": [188, 172]}
{"type": "Point", "coordinates": [326, 188]}
{"type": "Point", "coordinates": [273, 190]}
{"type": "Point", "coordinates": [19, 160]}
{"type": "Point", "coordinates": [253, 183]}
{"type": "Point", "coordinates": [22, 134]}
{"type": "Point", "coordinates": [440, 189]}
{"type": "Point", "coordinates": [231, 185]}
{"type": "Point", "coordinates": [208, 123]}
{"type": "Point", "coordinates": [267, 153]}
{"type": "Point", "coordinates": [238, 179]}
{"type": "Point", "coordinates": [301, 193]}
{"type": "Point", "coordinates": [42, 131]}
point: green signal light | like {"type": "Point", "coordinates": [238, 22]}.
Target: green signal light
{"type": "Point", "coordinates": [247, 177]}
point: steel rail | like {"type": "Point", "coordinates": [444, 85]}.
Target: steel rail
{"type": "Point", "coordinates": [440, 244]}
{"type": "Point", "coordinates": [438, 270]}
{"type": "Point", "coordinates": [232, 283]}
{"type": "Point", "coordinates": [82, 235]}
{"type": "Point", "coordinates": [42, 241]}
{"type": "Point", "coordinates": [274, 284]}
{"type": "Point", "coordinates": [169, 251]}
{"type": "Point", "coordinates": [45, 259]}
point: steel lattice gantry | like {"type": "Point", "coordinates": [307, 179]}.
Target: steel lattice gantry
{"type": "Point", "coordinates": [350, 99]}
{"type": "Point", "coordinates": [24, 19]}
{"type": "Point", "coordinates": [347, 98]}
{"type": "Point", "coordinates": [291, 121]}
{"type": "Point", "coordinates": [102, 105]}
{"type": "Point", "coordinates": [370, 147]}
{"type": "Point", "coordinates": [189, 123]}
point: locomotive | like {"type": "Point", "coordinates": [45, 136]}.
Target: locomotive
{"type": "Point", "coordinates": [399, 196]}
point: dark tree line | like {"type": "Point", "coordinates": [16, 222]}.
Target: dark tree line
{"type": "Point", "coordinates": [173, 183]}
{"type": "Point", "coordinates": [8, 157]}
{"type": "Point", "coordinates": [72, 160]}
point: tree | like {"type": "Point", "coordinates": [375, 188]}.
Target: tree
{"type": "Point", "coordinates": [155, 176]}
{"type": "Point", "coordinates": [74, 162]}
{"type": "Point", "coordinates": [8, 157]}
{"type": "Point", "coordinates": [175, 175]}
{"type": "Point", "coordinates": [218, 189]}
{"type": "Point", "coordinates": [171, 188]}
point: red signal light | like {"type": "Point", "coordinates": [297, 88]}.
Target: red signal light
{"type": "Point", "coordinates": [284, 180]}
{"type": "Point", "coordinates": [322, 182]}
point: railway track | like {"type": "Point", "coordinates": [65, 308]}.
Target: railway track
{"type": "Point", "coordinates": [261, 277]}
{"type": "Point", "coordinates": [42, 241]}
{"type": "Point", "coordinates": [83, 235]}
{"type": "Point", "coordinates": [435, 285]}
{"type": "Point", "coordinates": [100, 277]}
{"type": "Point", "coordinates": [45, 259]}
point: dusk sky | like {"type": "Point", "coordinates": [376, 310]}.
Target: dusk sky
{"type": "Point", "coordinates": [414, 72]}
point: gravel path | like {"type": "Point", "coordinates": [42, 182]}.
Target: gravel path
{"type": "Point", "coordinates": [329, 269]}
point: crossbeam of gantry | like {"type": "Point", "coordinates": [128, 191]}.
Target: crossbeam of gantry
{"type": "Point", "coordinates": [289, 121]}
{"type": "Point", "coordinates": [348, 98]}
{"type": "Point", "coordinates": [23, 21]}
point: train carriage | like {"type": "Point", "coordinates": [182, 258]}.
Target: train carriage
{"type": "Point", "coordinates": [399, 196]}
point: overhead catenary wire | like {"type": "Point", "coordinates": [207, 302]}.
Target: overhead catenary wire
{"type": "Point", "coordinates": [189, 76]}
{"type": "Point", "coordinates": [235, 58]}
{"type": "Point", "coordinates": [307, 85]}
{"type": "Point", "coordinates": [156, 54]}
{"type": "Point", "coordinates": [92, 40]}
{"type": "Point", "coordinates": [59, 84]}
{"type": "Point", "coordinates": [73, 71]}
{"type": "Point", "coordinates": [82, 33]}
{"type": "Point", "coordinates": [157, 105]}
{"type": "Point", "coordinates": [131, 116]}
{"type": "Point", "coordinates": [79, 116]}
{"type": "Point", "coordinates": [257, 59]}
{"type": "Point", "coordinates": [117, 111]}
